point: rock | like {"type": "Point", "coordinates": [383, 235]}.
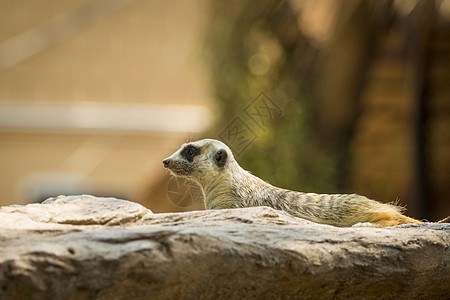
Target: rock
{"type": "Point", "coordinates": [82, 247]}
{"type": "Point", "coordinates": [75, 210]}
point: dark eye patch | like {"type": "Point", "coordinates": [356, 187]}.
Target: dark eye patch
{"type": "Point", "coordinates": [189, 152]}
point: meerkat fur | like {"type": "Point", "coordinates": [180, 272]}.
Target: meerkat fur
{"type": "Point", "coordinates": [226, 185]}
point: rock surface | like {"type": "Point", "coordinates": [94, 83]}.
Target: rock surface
{"type": "Point", "coordinates": [82, 247]}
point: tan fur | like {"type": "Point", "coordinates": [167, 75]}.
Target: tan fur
{"type": "Point", "coordinates": [230, 186]}
{"type": "Point", "coordinates": [445, 220]}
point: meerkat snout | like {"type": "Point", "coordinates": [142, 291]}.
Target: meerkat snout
{"type": "Point", "coordinates": [166, 162]}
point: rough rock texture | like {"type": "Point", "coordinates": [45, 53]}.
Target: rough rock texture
{"type": "Point", "coordinates": [82, 247]}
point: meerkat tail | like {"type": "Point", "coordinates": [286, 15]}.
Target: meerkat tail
{"type": "Point", "coordinates": [407, 220]}
{"type": "Point", "coordinates": [445, 220]}
{"type": "Point", "coordinates": [386, 219]}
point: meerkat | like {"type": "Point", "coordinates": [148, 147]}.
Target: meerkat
{"type": "Point", "coordinates": [226, 185]}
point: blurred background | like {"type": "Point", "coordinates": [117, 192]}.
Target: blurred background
{"type": "Point", "coordinates": [319, 96]}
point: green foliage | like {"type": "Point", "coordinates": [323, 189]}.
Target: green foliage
{"type": "Point", "coordinates": [255, 47]}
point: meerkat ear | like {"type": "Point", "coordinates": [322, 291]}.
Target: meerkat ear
{"type": "Point", "coordinates": [221, 158]}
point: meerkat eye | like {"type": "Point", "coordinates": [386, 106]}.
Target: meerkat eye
{"type": "Point", "coordinates": [189, 153]}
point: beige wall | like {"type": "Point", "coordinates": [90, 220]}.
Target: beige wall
{"type": "Point", "coordinates": [139, 52]}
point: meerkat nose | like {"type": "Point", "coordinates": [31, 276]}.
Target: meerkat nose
{"type": "Point", "coordinates": [166, 162]}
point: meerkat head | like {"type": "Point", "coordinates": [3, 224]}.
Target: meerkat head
{"type": "Point", "coordinates": [200, 160]}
